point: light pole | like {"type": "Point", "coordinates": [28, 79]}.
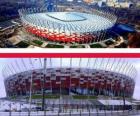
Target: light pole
{"type": "Point", "coordinates": [123, 86]}
{"type": "Point", "coordinates": [43, 88]}
{"type": "Point", "coordinates": [31, 85]}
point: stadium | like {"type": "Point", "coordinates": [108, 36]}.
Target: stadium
{"type": "Point", "coordinates": [67, 24]}
{"type": "Point", "coordinates": [69, 76]}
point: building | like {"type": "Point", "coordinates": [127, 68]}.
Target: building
{"type": "Point", "coordinates": [70, 76]}
{"type": "Point", "coordinates": [67, 25]}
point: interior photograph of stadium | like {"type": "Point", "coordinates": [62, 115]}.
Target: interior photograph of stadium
{"type": "Point", "coordinates": [70, 24]}
{"type": "Point", "coordinates": [69, 86]}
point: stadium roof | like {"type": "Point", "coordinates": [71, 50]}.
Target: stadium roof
{"type": "Point", "coordinates": [69, 21]}
{"type": "Point", "coordinates": [66, 16]}
{"type": "Point", "coordinates": [119, 65]}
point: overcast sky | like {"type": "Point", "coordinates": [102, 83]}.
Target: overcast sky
{"type": "Point", "coordinates": [134, 61]}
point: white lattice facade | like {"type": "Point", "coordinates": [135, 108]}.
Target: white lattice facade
{"type": "Point", "coordinates": [69, 25]}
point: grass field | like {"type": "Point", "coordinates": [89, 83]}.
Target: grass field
{"type": "Point", "coordinates": [38, 42]}
{"type": "Point", "coordinates": [22, 44]}
{"type": "Point", "coordinates": [78, 46]}
{"type": "Point", "coordinates": [96, 46]}
{"type": "Point", "coordinates": [47, 96]}
{"type": "Point", "coordinates": [84, 97]}
{"type": "Point", "coordinates": [54, 46]}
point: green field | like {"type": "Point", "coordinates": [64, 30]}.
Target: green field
{"type": "Point", "coordinates": [84, 97]}
{"type": "Point", "coordinates": [47, 96]}
{"type": "Point", "coordinates": [78, 46]}
{"type": "Point", "coordinates": [22, 44]}
{"type": "Point", "coordinates": [38, 42]}
{"type": "Point", "coordinates": [13, 97]}
{"type": "Point", "coordinates": [54, 46]}
{"type": "Point", "coordinates": [96, 46]}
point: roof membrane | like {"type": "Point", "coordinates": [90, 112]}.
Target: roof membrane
{"type": "Point", "coordinates": [66, 16]}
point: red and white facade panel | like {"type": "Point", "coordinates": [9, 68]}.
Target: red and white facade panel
{"type": "Point", "coordinates": [94, 76]}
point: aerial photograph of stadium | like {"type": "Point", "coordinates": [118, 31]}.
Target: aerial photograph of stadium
{"type": "Point", "coordinates": [69, 87]}
{"type": "Point", "coordinates": [70, 24]}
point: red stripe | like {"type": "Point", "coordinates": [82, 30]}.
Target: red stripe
{"type": "Point", "coordinates": [70, 55]}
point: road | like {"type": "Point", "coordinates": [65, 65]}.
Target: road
{"type": "Point", "coordinates": [108, 113]}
